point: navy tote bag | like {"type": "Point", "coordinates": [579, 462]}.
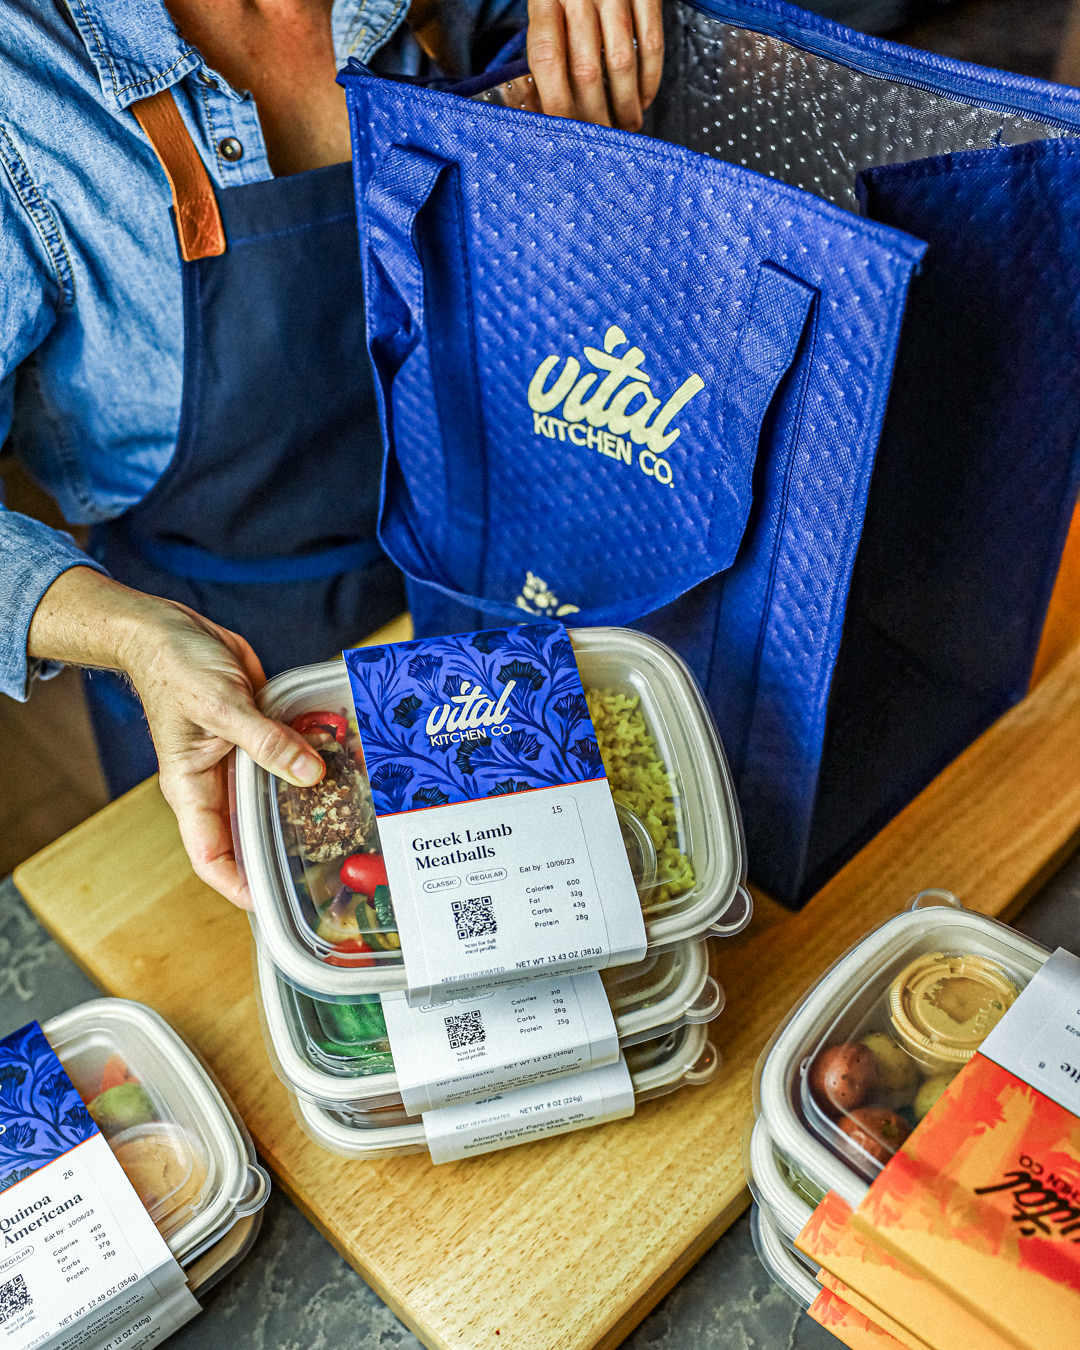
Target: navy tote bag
{"type": "Point", "coordinates": [643, 379]}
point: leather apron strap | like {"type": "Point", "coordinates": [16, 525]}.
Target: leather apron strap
{"type": "Point", "coordinates": [198, 219]}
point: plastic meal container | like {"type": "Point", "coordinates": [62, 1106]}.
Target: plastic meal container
{"type": "Point", "coordinates": [684, 1057]}
{"type": "Point", "coordinates": [224, 1256]}
{"type": "Point", "coordinates": [925, 987]}
{"type": "Point", "coordinates": [783, 1194]}
{"type": "Point", "coordinates": [667, 990]}
{"type": "Point", "coordinates": [292, 844]}
{"type": "Point", "coordinates": [170, 1126]}
{"type": "Point", "coordinates": [781, 1265]}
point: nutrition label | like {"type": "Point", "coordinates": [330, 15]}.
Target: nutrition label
{"type": "Point", "coordinates": [491, 893]}
{"type": "Point", "coordinates": [499, 1041]}
{"type": "Point", "coordinates": [539, 1112]}
{"type": "Point", "coordinates": [81, 1262]}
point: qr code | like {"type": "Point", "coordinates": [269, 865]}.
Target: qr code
{"type": "Point", "coordinates": [474, 918]}
{"type": "Point", "coordinates": [466, 1029]}
{"type": "Point", "coordinates": [14, 1297]}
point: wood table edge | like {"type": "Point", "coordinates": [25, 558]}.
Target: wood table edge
{"type": "Point", "coordinates": [690, 1255]}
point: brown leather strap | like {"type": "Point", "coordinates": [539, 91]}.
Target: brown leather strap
{"type": "Point", "coordinates": [198, 220]}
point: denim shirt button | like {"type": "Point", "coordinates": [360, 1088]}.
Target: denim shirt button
{"type": "Point", "coordinates": [230, 149]}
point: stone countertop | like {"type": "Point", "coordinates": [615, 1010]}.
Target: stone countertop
{"type": "Point", "coordinates": [294, 1292]}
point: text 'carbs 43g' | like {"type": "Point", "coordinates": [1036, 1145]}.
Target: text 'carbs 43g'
{"type": "Point", "coordinates": [503, 850]}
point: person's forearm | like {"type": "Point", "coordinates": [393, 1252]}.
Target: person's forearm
{"type": "Point", "coordinates": [87, 619]}
{"type": "Point", "coordinates": [197, 682]}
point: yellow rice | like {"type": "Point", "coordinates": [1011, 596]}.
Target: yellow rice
{"type": "Point", "coordinates": [639, 781]}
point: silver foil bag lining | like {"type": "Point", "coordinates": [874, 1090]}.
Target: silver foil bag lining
{"type": "Point", "coordinates": [758, 101]}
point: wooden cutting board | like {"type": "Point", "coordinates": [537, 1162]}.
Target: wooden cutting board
{"type": "Point", "coordinates": [565, 1244]}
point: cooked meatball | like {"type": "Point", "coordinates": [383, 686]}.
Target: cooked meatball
{"type": "Point", "coordinates": [335, 816]}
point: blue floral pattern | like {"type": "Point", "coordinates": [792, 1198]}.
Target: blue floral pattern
{"type": "Point", "coordinates": [42, 1115]}
{"type": "Point", "coordinates": [551, 740]}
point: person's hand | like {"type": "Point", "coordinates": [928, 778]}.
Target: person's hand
{"type": "Point", "coordinates": [573, 44]}
{"type": "Point", "coordinates": [197, 683]}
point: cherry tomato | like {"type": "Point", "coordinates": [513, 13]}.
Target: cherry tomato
{"type": "Point", "coordinates": [350, 946]}
{"type": "Point", "coordinates": [332, 723]}
{"type": "Point", "coordinates": [363, 872]}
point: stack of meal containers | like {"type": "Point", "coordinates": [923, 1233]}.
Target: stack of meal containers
{"type": "Point", "coordinates": [864, 1056]}
{"type": "Point", "coordinates": [326, 939]}
{"type": "Point", "coordinates": [172, 1129]}
{"type": "Point", "coordinates": [793, 1276]}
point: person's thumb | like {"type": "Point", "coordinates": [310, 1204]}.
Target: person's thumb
{"type": "Point", "coordinates": [277, 748]}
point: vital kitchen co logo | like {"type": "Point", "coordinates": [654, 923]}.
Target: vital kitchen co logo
{"type": "Point", "coordinates": [1043, 1202]}
{"type": "Point", "coordinates": [469, 716]}
{"type": "Point", "coordinates": [615, 416]}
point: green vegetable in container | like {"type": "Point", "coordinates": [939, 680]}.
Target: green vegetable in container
{"type": "Point", "coordinates": [121, 1107]}
{"type": "Point", "coordinates": [353, 1024]}
{"type": "Point", "coordinates": [384, 909]}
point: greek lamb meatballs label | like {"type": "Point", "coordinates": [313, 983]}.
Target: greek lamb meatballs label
{"type": "Point", "coordinates": [81, 1262]}
{"type": "Point", "coordinates": [498, 1041]}
{"type": "Point", "coordinates": [502, 847]}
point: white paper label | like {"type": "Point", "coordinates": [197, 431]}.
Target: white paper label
{"type": "Point", "coordinates": [1038, 1039]}
{"type": "Point", "coordinates": [589, 1098]}
{"type": "Point", "coordinates": [81, 1262]}
{"type": "Point", "coordinates": [500, 1041]}
{"type": "Point", "coordinates": [491, 893]}
{"type": "Point", "coordinates": [502, 846]}
{"type": "Point", "coordinates": [134, 1324]}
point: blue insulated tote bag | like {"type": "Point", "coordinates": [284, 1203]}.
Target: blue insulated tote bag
{"type": "Point", "coordinates": [624, 379]}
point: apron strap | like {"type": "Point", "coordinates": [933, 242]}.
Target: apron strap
{"type": "Point", "coordinates": [198, 220]}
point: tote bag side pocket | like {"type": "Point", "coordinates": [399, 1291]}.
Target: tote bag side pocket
{"type": "Point", "coordinates": [418, 288]}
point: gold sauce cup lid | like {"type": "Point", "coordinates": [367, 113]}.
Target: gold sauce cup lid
{"type": "Point", "coordinates": [943, 1007]}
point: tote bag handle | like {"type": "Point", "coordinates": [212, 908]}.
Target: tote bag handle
{"type": "Point", "coordinates": [409, 182]}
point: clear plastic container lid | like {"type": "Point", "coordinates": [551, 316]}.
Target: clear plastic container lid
{"type": "Point", "coordinates": [223, 1256]}
{"type": "Point", "coordinates": [781, 1264]}
{"type": "Point", "coordinates": [667, 990]}
{"type": "Point", "coordinates": [167, 1122]}
{"type": "Point", "coordinates": [337, 1054]}
{"type": "Point", "coordinates": [782, 1190]}
{"type": "Point", "coordinates": [878, 1038]}
{"type": "Point", "coordinates": [681, 1058]}
{"type": "Point", "coordinates": [312, 855]}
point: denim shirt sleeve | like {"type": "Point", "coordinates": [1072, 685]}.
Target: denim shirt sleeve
{"type": "Point", "coordinates": [32, 555]}
{"type": "Point", "coordinates": [360, 29]}
{"type": "Point", "coordinates": [375, 32]}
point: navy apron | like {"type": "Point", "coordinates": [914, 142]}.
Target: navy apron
{"type": "Point", "coordinates": [264, 521]}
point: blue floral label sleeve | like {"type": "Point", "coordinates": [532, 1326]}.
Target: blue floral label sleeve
{"type": "Point", "coordinates": [502, 846]}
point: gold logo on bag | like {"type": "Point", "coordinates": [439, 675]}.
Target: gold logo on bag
{"type": "Point", "coordinates": [615, 414]}
{"type": "Point", "coordinates": [537, 597]}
